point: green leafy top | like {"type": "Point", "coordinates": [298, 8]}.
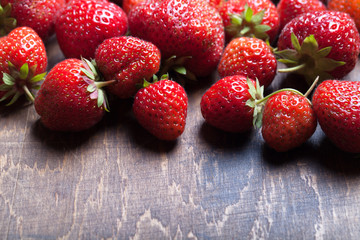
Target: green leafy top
{"type": "Point", "coordinates": [307, 59]}
{"type": "Point", "coordinates": [7, 23]}
{"type": "Point", "coordinates": [248, 24]}
{"type": "Point", "coordinates": [17, 82]}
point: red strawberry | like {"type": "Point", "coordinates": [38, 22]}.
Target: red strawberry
{"type": "Point", "coordinates": [70, 98]}
{"type": "Point", "coordinates": [325, 44]}
{"type": "Point", "coordinates": [288, 120]}
{"type": "Point", "coordinates": [250, 18]}
{"type": "Point", "coordinates": [84, 24]}
{"type": "Point", "coordinates": [23, 62]}
{"type": "Point", "coordinates": [289, 9]}
{"type": "Point", "coordinates": [37, 14]}
{"type": "Point", "coordinates": [250, 57]}
{"type": "Point", "coordinates": [129, 61]}
{"type": "Point", "coordinates": [161, 108]}
{"type": "Point", "coordinates": [337, 107]}
{"type": "Point", "coordinates": [224, 104]}
{"type": "Point", "coordinates": [129, 4]}
{"type": "Point", "coordinates": [349, 6]}
{"type": "Point", "coordinates": [184, 28]}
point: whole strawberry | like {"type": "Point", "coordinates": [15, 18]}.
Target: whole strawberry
{"type": "Point", "coordinates": [186, 28]}
{"type": "Point", "coordinates": [325, 44]}
{"type": "Point", "coordinates": [36, 14]}
{"type": "Point", "coordinates": [224, 104]}
{"type": "Point", "coordinates": [250, 57]}
{"type": "Point", "coordinates": [250, 18]}
{"type": "Point", "coordinates": [337, 107]}
{"type": "Point", "coordinates": [129, 61]}
{"type": "Point", "coordinates": [23, 62]}
{"type": "Point", "coordinates": [349, 6]}
{"type": "Point", "coordinates": [288, 120]}
{"type": "Point", "coordinates": [289, 9]}
{"type": "Point", "coordinates": [161, 108]}
{"type": "Point", "coordinates": [84, 24]}
{"type": "Point", "coordinates": [70, 98]}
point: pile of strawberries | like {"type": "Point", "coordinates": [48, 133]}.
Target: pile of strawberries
{"type": "Point", "coordinates": [139, 48]}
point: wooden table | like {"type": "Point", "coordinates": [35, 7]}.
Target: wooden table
{"type": "Point", "coordinates": [117, 181]}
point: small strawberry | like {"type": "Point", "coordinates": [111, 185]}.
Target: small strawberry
{"type": "Point", "coordinates": [337, 107]}
{"type": "Point", "coordinates": [161, 108]}
{"type": "Point", "coordinates": [250, 57]}
{"type": "Point", "coordinates": [349, 6]}
{"type": "Point", "coordinates": [288, 120]}
{"type": "Point", "coordinates": [184, 28]}
{"type": "Point", "coordinates": [250, 18]}
{"type": "Point", "coordinates": [36, 14]}
{"type": "Point", "coordinates": [224, 104]}
{"type": "Point", "coordinates": [325, 44]}
{"type": "Point", "coordinates": [23, 62]}
{"type": "Point", "coordinates": [84, 24]}
{"type": "Point", "coordinates": [289, 9]}
{"type": "Point", "coordinates": [71, 98]}
{"type": "Point", "coordinates": [129, 61]}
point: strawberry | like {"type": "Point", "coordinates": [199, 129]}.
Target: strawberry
{"type": "Point", "coordinates": [129, 4]}
{"type": "Point", "coordinates": [336, 104]}
{"type": "Point", "coordinates": [161, 108]}
{"type": "Point", "coordinates": [185, 28]}
{"type": "Point", "coordinates": [129, 61]}
{"type": "Point", "coordinates": [84, 24]}
{"type": "Point", "coordinates": [250, 18]}
{"type": "Point", "coordinates": [325, 44]}
{"type": "Point", "coordinates": [289, 9]}
{"type": "Point", "coordinates": [36, 14]}
{"type": "Point", "coordinates": [349, 6]}
{"type": "Point", "coordinates": [71, 98]}
{"type": "Point", "coordinates": [224, 106]}
{"type": "Point", "coordinates": [250, 57]}
{"type": "Point", "coordinates": [23, 62]}
{"type": "Point", "coordinates": [288, 120]}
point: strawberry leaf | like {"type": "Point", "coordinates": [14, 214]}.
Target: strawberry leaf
{"type": "Point", "coordinates": [14, 99]}
{"type": "Point", "coordinates": [180, 69]}
{"type": "Point", "coordinates": [24, 71]}
{"type": "Point", "coordinates": [8, 80]}
{"type": "Point", "coordinates": [38, 77]}
{"type": "Point", "coordinates": [5, 87]}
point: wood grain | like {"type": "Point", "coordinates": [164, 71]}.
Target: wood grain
{"type": "Point", "coordinates": [116, 181]}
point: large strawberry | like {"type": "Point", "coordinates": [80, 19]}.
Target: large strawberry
{"type": "Point", "coordinates": [37, 14]}
{"type": "Point", "coordinates": [250, 18]}
{"type": "Point", "coordinates": [161, 108]}
{"type": "Point", "coordinates": [129, 61]}
{"type": "Point", "coordinates": [71, 98]}
{"type": "Point", "coordinates": [325, 44]}
{"type": "Point", "coordinates": [288, 120]}
{"type": "Point", "coordinates": [337, 107]}
{"type": "Point", "coordinates": [186, 28]}
{"type": "Point", "coordinates": [224, 106]}
{"type": "Point", "coordinates": [250, 57]}
{"type": "Point", "coordinates": [289, 9]}
{"type": "Point", "coordinates": [23, 62]}
{"type": "Point", "coordinates": [84, 24]}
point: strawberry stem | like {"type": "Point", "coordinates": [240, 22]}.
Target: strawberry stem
{"type": "Point", "coordinates": [292, 69]}
{"type": "Point", "coordinates": [104, 84]}
{"type": "Point", "coordinates": [312, 87]}
{"type": "Point", "coordinates": [28, 93]}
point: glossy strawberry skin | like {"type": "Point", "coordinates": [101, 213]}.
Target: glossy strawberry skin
{"type": "Point", "coordinates": [129, 61]}
{"type": "Point", "coordinates": [288, 121]}
{"type": "Point", "coordinates": [349, 6]}
{"type": "Point", "coordinates": [250, 57]}
{"type": "Point", "coordinates": [337, 106]}
{"type": "Point", "coordinates": [161, 108]}
{"type": "Point", "coordinates": [84, 24]}
{"type": "Point", "coordinates": [335, 29]}
{"type": "Point", "coordinates": [20, 46]}
{"type": "Point", "coordinates": [224, 105]}
{"type": "Point", "coordinates": [181, 28]}
{"type": "Point", "coordinates": [271, 17]}
{"type": "Point", "coordinates": [63, 102]}
{"type": "Point", "coordinates": [289, 9]}
{"type": "Point", "coordinates": [36, 14]}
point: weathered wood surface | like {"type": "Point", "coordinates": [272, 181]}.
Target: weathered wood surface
{"type": "Point", "coordinates": [117, 181]}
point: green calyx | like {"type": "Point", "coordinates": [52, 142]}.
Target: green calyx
{"type": "Point", "coordinates": [248, 24]}
{"type": "Point", "coordinates": [95, 83]}
{"type": "Point", "coordinates": [176, 64]}
{"type": "Point", "coordinates": [155, 79]}
{"type": "Point", "coordinates": [307, 59]}
{"type": "Point", "coordinates": [17, 82]}
{"type": "Point", "coordinates": [7, 23]}
{"type": "Point", "coordinates": [258, 101]}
